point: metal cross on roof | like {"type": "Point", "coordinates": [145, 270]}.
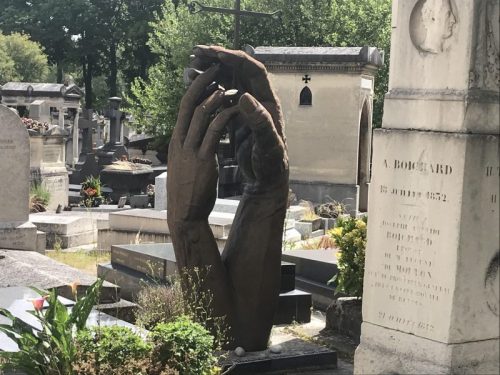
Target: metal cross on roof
{"type": "Point", "coordinates": [306, 78]}
{"type": "Point", "coordinates": [197, 7]}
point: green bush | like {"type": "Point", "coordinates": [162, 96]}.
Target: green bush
{"type": "Point", "coordinates": [349, 235]}
{"type": "Point", "coordinates": [111, 345]}
{"type": "Point", "coordinates": [51, 349]}
{"type": "Point", "coordinates": [185, 346]}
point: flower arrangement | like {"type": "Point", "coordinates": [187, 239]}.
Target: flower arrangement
{"type": "Point", "coordinates": [350, 238]}
{"type": "Point", "coordinates": [35, 125]}
{"type": "Point", "coordinates": [91, 192]}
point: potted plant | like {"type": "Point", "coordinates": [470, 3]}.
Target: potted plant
{"type": "Point", "coordinates": [91, 192]}
{"type": "Point", "coordinates": [330, 211]}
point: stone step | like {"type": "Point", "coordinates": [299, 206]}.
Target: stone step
{"type": "Point", "coordinates": [293, 306]}
{"type": "Point", "coordinates": [153, 221]}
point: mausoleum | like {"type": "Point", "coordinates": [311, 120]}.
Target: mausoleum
{"type": "Point", "coordinates": [327, 98]}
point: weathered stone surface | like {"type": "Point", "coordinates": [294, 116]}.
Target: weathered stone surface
{"type": "Point", "coordinates": [431, 292]}
{"type": "Point", "coordinates": [344, 316]}
{"type": "Point", "coordinates": [432, 213]}
{"type": "Point", "coordinates": [444, 66]}
{"type": "Point", "coordinates": [14, 183]}
{"type": "Point", "coordinates": [21, 268]}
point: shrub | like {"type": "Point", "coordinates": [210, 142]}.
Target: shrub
{"type": "Point", "coordinates": [50, 350]}
{"type": "Point", "coordinates": [184, 345]}
{"type": "Point", "coordinates": [164, 303]}
{"type": "Point", "coordinates": [349, 235]}
{"type": "Point", "coordinates": [111, 345]}
{"type": "Point", "coordinates": [158, 304]}
{"type": "Point", "coordinates": [39, 198]}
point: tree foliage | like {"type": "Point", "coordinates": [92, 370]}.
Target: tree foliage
{"type": "Point", "coordinates": [154, 101]}
{"type": "Point", "coordinates": [21, 59]}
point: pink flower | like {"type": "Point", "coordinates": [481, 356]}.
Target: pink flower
{"type": "Point", "coordinates": [38, 303]}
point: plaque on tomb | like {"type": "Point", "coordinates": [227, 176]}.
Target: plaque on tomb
{"type": "Point", "coordinates": [154, 260]}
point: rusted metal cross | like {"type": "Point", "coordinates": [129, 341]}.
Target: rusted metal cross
{"type": "Point", "coordinates": [196, 7]}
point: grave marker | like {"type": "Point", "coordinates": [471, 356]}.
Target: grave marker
{"type": "Point", "coordinates": [15, 230]}
{"type": "Point", "coordinates": [431, 296]}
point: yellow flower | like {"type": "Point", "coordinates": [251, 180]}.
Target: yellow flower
{"type": "Point", "coordinates": [338, 254]}
{"type": "Point", "coordinates": [360, 224]}
{"type": "Point", "coordinates": [337, 231]}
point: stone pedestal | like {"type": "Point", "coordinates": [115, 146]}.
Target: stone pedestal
{"type": "Point", "coordinates": [431, 287]}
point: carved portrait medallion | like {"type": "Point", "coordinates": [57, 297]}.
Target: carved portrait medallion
{"type": "Point", "coordinates": [432, 22]}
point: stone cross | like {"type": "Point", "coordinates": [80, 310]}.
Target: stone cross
{"type": "Point", "coordinates": [87, 124]}
{"type": "Point", "coordinates": [115, 121]}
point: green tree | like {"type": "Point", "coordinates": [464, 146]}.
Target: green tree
{"type": "Point", "coordinates": [21, 59]}
{"type": "Point", "coordinates": [154, 101]}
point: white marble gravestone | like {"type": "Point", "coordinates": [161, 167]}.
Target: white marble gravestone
{"type": "Point", "coordinates": [15, 230]}
{"type": "Point", "coordinates": [161, 192]}
{"type": "Point", "coordinates": [431, 286]}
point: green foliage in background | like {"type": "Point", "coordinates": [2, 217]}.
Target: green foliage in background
{"type": "Point", "coordinates": [349, 235]}
{"type": "Point", "coordinates": [21, 59]}
{"type": "Point", "coordinates": [154, 101]}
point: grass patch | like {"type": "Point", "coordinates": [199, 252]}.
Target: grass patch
{"type": "Point", "coordinates": [85, 261]}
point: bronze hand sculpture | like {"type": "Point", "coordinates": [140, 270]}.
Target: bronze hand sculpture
{"type": "Point", "coordinates": [245, 279]}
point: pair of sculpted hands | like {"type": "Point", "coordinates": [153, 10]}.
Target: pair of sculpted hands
{"type": "Point", "coordinates": [259, 132]}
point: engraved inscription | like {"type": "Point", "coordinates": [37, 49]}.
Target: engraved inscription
{"type": "Point", "coordinates": [7, 144]}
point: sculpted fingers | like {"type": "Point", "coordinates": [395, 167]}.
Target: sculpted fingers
{"type": "Point", "coordinates": [247, 69]}
{"type": "Point", "coordinates": [201, 118]}
{"type": "Point", "coordinates": [215, 131]}
{"type": "Point", "coordinates": [259, 120]}
{"type": "Point", "coordinates": [189, 101]}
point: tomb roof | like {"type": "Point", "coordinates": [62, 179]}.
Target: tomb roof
{"type": "Point", "coordinates": [326, 55]}
{"type": "Point", "coordinates": [39, 89]}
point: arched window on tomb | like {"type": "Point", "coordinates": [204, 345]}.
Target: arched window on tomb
{"type": "Point", "coordinates": [306, 96]}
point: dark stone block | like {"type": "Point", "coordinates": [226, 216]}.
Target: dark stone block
{"type": "Point", "coordinates": [296, 356]}
{"type": "Point", "coordinates": [130, 281]}
{"type": "Point", "coordinates": [294, 306]}
{"type": "Point", "coordinates": [287, 277]}
{"type": "Point", "coordinates": [153, 260]}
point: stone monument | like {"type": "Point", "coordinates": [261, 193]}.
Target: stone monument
{"type": "Point", "coordinates": [114, 149]}
{"type": "Point", "coordinates": [16, 232]}
{"type": "Point", "coordinates": [86, 165]}
{"type": "Point", "coordinates": [245, 279]}
{"type": "Point", "coordinates": [431, 287]}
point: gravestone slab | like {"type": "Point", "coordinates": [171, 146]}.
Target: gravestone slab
{"type": "Point", "coordinates": [154, 260]}
{"type": "Point", "coordinates": [15, 231]}
{"type": "Point", "coordinates": [161, 192]}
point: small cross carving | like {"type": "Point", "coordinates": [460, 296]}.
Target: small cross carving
{"type": "Point", "coordinates": [306, 78]}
